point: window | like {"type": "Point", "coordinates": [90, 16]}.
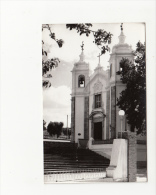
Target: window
{"type": "Point", "coordinates": [98, 101]}
{"type": "Point", "coordinates": [81, 81]}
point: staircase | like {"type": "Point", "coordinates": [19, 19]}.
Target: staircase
{"type": "Point", "coordinates": [69, 159]}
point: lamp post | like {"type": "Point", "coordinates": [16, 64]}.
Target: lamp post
{"type": "Point", "coordinates": [121, 114]}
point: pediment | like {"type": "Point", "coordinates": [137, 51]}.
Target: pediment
{"type": "Point", "coordinates": [98, 87]}
{"type": "Point", "coordinates": [96, 114]}
{"type": "Point", "coordinates": [94, 78]}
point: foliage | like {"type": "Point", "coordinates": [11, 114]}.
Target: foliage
{"type": "Point", "coordinates": [55, 128]}
{"type": "Point", "coordinates": [50, 63]}
{"type": "Point", "coordinates": [101, 37]}
{"type": "Point", "coordinates": [65, 131]}
{"type": "Point", "coordinates": [133, 99]}
{"type": "Point", "coordinates": [44, 127]}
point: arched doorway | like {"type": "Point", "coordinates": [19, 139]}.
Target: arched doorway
{"type": "Point", "coordinates": [97, 124]}
{"type": "Point", "coordinates": [97, 131]}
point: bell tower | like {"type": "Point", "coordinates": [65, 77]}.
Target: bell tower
{"type": "Point", "coordinates": [119, 51]}
{"type": "Point", "coordinates": [80, 79]}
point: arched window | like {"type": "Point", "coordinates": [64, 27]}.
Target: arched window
{"type": "Point", "coordinates": [81, 81]}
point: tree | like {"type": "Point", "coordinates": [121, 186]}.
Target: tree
{"type": "Point", "coordinates": [101, 37]}
{"type": "Point", "coordinates": [44, 127]}
{"type": "Point", "coordinates": [55, 128]}
{"type": "Point", "coordinates": [133, 99]}
{"type": "Point", "coordinates": [47, 65]}
{"type": "Point", "coordinates": [67, 131]}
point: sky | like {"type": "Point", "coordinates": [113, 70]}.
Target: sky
{"type": "Point", "coordinates": [57, 98]}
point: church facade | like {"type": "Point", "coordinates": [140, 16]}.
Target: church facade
{"type": "Point", "coordinates": [94, 114]}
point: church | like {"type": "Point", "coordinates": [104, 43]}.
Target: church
{"type": "Point", "coordinates": [94, 114]}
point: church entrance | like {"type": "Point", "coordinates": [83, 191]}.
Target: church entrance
{"type": "Point", "coordinates": [98, 131]}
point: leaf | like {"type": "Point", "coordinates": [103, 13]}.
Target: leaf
{"type": "Point", "coordinates": [133, 98]}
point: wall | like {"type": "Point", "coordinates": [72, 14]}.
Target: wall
{"type": "Point", "coordinates": [103, 149]}
{"type": "Point", "coordinates": [107, 148]}
{"type": "Point", "coordinates": [50, 145]}
{"type": "Point", "coordinates": [132, 157]}
{"type": "Point", "coordinates": [141, 152]}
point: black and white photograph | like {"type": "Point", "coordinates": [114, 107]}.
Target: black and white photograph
{"type": "Point", "coordinates": [94, 102]}
{"type": "Point", "coordinates": [77, 97]}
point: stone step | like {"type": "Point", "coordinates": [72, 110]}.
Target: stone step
{"type": "Point", "coordinates": [76, 157]}
{"type": "Point", "coordinates": [74, 167]}
{"type": "Point", "coordinates": [51, 171]}
{"type": "Point", "coordinates": [81, 159]}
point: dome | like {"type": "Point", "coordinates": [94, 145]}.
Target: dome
{"type": "Point", "coordinates": [82, 57]}
{"type": "Point", "coordinates": [81, 60]}
{"type": "Point", "coordinates": [122, 47]}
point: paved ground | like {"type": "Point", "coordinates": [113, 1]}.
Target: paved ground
{"type": "Point", "coordinates": [141, 177]}
{"type": "Point", "coordinates": [138, 179]}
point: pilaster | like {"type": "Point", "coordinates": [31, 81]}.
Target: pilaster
{"type": "Point", "coordinates": [86, 118]}
{"type": "Point", "coordinates": [73, 119]}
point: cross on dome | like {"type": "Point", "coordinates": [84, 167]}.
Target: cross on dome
{"type": "Point", "coordinates": [82, 54]}
{"type": "Point", "coordinates": [122, 37]}
{"type": "Point", "coordinates": [121, 26]}
{"type": "Point", "coordinates": [82, 46]}
{"type": "Point", "coordinates": [99, 57]}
